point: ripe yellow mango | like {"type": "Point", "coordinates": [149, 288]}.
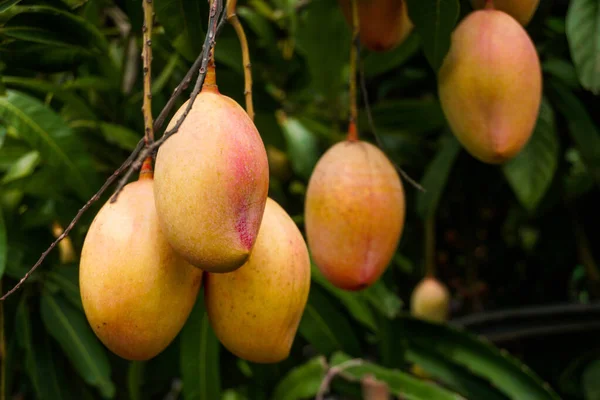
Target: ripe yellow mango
{"type": "Point", "coordinates": [521, 10]}
{"type": "Point", "coordinates": [354, 214]}
{"type": "Point", "coordinates": [137, 293]}
{"type": "Point", "coordinates": [255, 311]}
{"type": "Point", "coordinates": [211, 182]}
{"type": "Point", "coordinates": [490, 86]}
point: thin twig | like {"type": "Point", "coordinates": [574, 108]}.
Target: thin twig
{"type": "Point", "coordinates": [239, 29]}
{"type": "Point", "coordinates": [83, 209]}
{"type": "Point", "coordinates": [333, 371]}
{"type": "Point", "coordinates": [363, 85]}
{"type": "Point", "coordinates": [215, 11]}
{"type": "Point", "coordinates": [352, 129]}
{"type": "Point", "coordinates": [148, 6]}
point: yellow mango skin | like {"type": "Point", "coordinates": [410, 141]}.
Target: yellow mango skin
{"type": "Point", "coordinates": [383, 24]}
{"type": "Point", "coordinates": [212, 179]}
{"type": "Point", "coordinates": [490, 86]}
{"type": "Point", "coordinates": [354, 214]}
{"type": "Point", "coordinates": [255, 311]}
{"type": "Point", "coordinates": [430, 301]}
{"type": "Point", "coordinates": [137, 293]}
{"type": "Point", "coordinates": [521, 10]}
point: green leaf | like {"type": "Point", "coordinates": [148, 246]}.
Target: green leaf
{"type": "Point", "coordinates": [583, 34]}
{"type": "Point", "coordinates": [453, 376]}
{"type": "Point", "coordinates": [66, 278]}
{"type": "Point", "coordinates": [119, 135]}
{"type": "Point", "coordinates": [383, 299]}
{"type": "Point", "coordinates": [323, 37]}
{"type": "Point", "coordinates": [46, 58]}
{"type": "Point", "coordinates": [302, 382]}
{"type": "Point", "coordinates": [377, 63]}
{"type": "Point", "coordinates": [581, 127]}
{"type": "Point", "coordinates": [199, 356]}
{"type": "Point", "coordinates": [436, 176]}
{"type": "Point", "coordinates": [47, 379]}
{"type": "Point", "coordinates": [434, 22]}
{"type": "Point", "coordinates": [135, 377]}
{"type": "Point", "coordinates": [325, 327]}
{"type": "Point", "coordinates": [184, 23]}
{"type": "Point", "coordinates": [46, 132]}
{"type": "Point", "coordinates": [532, 170]}
{"type": "Point", "coordinates": [6, 4]}
{"type": "Point", "coordinates": [70, 329]}
{"type": "Point", "coordinates": [414, 116]}
{"type": "Point", "coordinates": [302, 145]}
{"type": "Point", "coordinates": [353, 302]}
{"type": "Point", "coordinates": [399, 383]}
{"type": "Point", "coordinates": [480, 358]}
{"type": "Point", "coordinates": [591, 381]}
{"type": "Point", "coordinates": [2, 135]}
{"type": "Point", "coordinates": [3, 244]}
{"type": "Point", "coordinates": [563, 70]}
{"type": "Point", "coordinates": [23, 167]}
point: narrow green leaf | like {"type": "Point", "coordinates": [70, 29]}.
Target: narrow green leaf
{"type": "Point", "coordinates": [325, 327]}
{"type": "Point", "coordinates": [377, 63]}
{"type": "Point", "coordinates": [479, 357]}
{"type": "Point", "coordinates": [135, 376]}
{"type": "Point", "coordinates": [47, 379]}
{"type": "Point", "coordinates": [6, 4]}
{"type": "Point", "coordinates": [434, 22]}
{"type": "Point", "coordinates": [199, 357]}
{"type": "Point", "coordinates": [70, 329]}
{"type": "Point", "coordinates": [532, 170]}
{"type": "Point", "coordinates": [184, 23]}
{"type": "Point", "coordinates": [302, 382]}
{"type": "Point", "coordinates": [2, 135]}
{"type": "Point", "coordinates": [581, 127]}
{"type": "Point", "coordinates": [66, 278]}
{"type": "Point", "coordinates": [399, 383]}
{"type": "Point", "coordinates": [302, 146]}
{"type": "Point", "coordinates": [259, 25]}
{"type": "Point", "coordinates": [591, 380]}
{"type": "Point", "coordinates": [46, 132]}
{"type": "Point", "coordinates": [119, 135]}
{"type": "Point", "coordinates": [583, 34]}
{"type": "Point", "coordinates": [3, 244]}
{"type": "Point", "coordinates": [563, 70]}
{"type": "Point", "coordinates": [436, 176]}
{"type": "Point", "coordinates": [383, 299]}
{"type": "Point", "coordinates": [46, 58]}
{"type": "Point", "coordinates": [414, 116]}
{"type": "Point", "coordinates": [23, 167]}
{"type": "Point", "coordinates": [354, 303]}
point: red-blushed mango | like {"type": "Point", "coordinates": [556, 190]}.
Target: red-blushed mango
{"type": "Point", "coordinates": [383, 24]}
{"type": "Point", "coordinates": [521, 10]}
{"type": "Point", "coordinates": [354, 214]}
{"type": "Point", "coordinates": [255, 311]}
{"type": "Point", "coordinates": [490, 86]}
{"type": "Point", "coordinates": [211, 182]}
{"type": "Point", "coordinates": [430, 301]}
{"type": "Point", "coordinates": [137, 293]}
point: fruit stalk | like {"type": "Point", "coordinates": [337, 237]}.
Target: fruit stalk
{"type": "Point", "coordinates": [352, 131]}
{"type": "Point", "coordinates": [148, 7]}
{"type": "Point", "coordinates": [430, 246]}
{"type": "Point", "coordinates": [233, 19]}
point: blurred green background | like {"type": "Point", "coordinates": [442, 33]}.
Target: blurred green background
{"type": "Point", "coordinates": [517, 245]}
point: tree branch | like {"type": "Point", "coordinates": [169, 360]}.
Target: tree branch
{"type": "Point", "coordinates": [239, 29]}
{"type": "Point", "coordinates": [352, 129]}
{"type": "Point", "coordinates": [135, 159]}
{"type": "Point", "coordinates": [148, 6]}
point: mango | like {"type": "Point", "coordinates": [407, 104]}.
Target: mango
{"type": "Point", "coordinates": [137, 293]}
{"type": "Point", "coordinates": [383, 24]}
{"type": "Point", "coordinates": [255, 311]}
{"type": "Point", "coordinates": [490, 86]}
{"type": "Point", "coordinates": [354, 214]}
{"type": "Point", "coordinates": [430, 300]}
{"type": "Point", "coordinates": [521, 10]}
{"type": "Point", "coordinates": [211, 182]}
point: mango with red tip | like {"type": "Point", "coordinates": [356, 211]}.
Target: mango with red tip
{"type": "Point", "coordinates": [383, 24]}
{"type": "Point", "coordinates": [255, 311]}
{"type": "Point", "coordinates": [490, 86]}
{"type": "Point", "coordinates": [137, 293]}
{"type": "Point", "coordinates": [211, 182]}
{"type": "Point", "coordinates": [354, 214]}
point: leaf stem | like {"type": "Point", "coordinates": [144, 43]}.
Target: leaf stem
{"type": "Point", "coordinates": [352, 130]}
{"type": "Point", "coordinates": [233, 19]}
{"type": "Point", "coordinates": [148, 7]}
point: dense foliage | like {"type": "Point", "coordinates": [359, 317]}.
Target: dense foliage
{"type": "Point", "coordinates": [522, 235]}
